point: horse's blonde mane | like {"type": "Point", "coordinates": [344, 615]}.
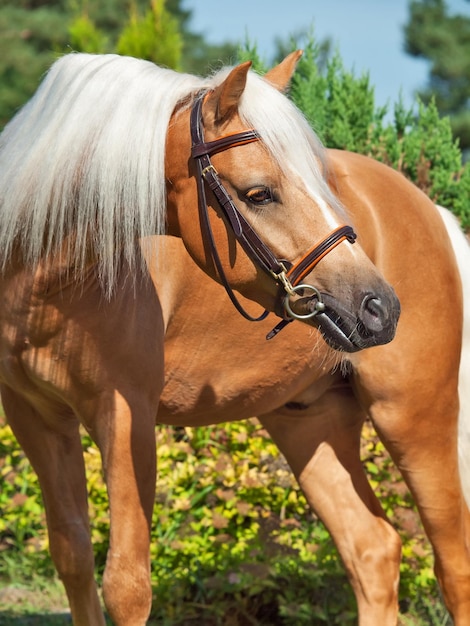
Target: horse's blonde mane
{"type": "Point", "coordinates": [84, 159]}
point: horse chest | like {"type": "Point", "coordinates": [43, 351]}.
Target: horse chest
{"type": "Point", "coordinates": [238, 385]}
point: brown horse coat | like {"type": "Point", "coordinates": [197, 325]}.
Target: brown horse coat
{"type": "Point", "coordinates": [70, 356]}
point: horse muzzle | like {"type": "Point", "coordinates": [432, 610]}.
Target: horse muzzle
{"type": "Point", "coordinates": [372, 323]}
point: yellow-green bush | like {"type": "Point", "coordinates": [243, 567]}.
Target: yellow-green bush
{"type": "Point", "coordinates": [231, 533]}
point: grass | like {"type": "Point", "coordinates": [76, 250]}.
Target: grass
{"type": "Point", "coordinates": [43, 603]}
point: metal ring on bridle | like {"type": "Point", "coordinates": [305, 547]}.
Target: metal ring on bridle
{"type": "Point", "coordinates": [319, 305]}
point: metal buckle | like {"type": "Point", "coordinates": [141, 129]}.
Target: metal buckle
{"type": "Point", "coordinates": [209, 168]}
{"type": "Point", "coordinates": [282, 278]}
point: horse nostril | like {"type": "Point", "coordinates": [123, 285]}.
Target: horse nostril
{"type": "Point", "coordinates": [373, 314]}
{"type": "Point", "coordinates": [374, 306]}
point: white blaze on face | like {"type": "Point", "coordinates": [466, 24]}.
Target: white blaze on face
{"type": "Point", "coordinates": [331, 218]}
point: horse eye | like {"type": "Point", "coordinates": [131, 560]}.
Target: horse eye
{"type": "Point", "coordinates": [259, 195]}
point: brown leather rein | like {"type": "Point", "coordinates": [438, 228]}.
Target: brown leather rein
{"type": "Point", "coordinates": [288, 276]}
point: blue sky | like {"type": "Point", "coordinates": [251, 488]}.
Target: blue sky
{"type": "Point", "coordinates": [368, 33]}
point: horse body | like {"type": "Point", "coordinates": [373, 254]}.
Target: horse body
{"type": "Point", "coordinates": [87, 338]}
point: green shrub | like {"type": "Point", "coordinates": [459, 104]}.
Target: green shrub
{"type": "Point", "coordinates": [419, 144]}
{"type": "Point", "coordinates": [155, 36]}
{"type": "Point", "coordinates": [341, 108]}
{"type": "Point", "coordinates": [231, 532]}
{"type": "Point", "coordinates": [85, 36]}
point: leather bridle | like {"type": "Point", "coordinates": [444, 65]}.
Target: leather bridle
{"type": "Point", "coordinates": [288, 276]}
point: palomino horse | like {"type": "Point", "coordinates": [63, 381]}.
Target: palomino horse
{"type": "Point", "coordinates": [313, 400]}
{"type": "Point", "coordinates": [108, 151]}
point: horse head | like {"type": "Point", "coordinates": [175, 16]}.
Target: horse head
{"type": "Point", "coordinates": [255, 169]}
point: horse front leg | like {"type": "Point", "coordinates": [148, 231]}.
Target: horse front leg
{"type": "Point", "coordinates": [55, 452]}
{"type": "Point", "coordinates": [128, 449]}
{"type": "Point", "coordinates": [321, 444]}
{"type": "Point", "coordinates": [421, 436]}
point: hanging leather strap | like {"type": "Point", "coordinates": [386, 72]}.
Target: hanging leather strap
{"type": "Point", "coordinates": [201, 151]}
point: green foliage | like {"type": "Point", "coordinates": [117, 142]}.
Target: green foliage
{"type": "Point", "coordinates": [444, 40]}
{"type": "Point", "coordinates": [431, 157]}
{"type": "Point", "coordinates": [85, 36]}
{"type": "Point", "coordinates": [28, 41]}
{"type": "Point", "coordinates": [232, 533]}
{"type": "Point", "coordinates": [33, 34]}
{"type": "Point", "coordinates": [420, 144]}
{"type": "Point", "coordinates": [154, 37]}
{"type": "Point", "coordinates": [249, 52]}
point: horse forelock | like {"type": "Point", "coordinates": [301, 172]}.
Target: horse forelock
{"type": "Point", "coordinates": [86, 153]}
{"type": "Point", "coordinates": [290, 139]}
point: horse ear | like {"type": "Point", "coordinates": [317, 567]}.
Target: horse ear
{"type": "Point", "coordinates": [280, 75]}
{"type": "Point", "coordinates": [223, 101]}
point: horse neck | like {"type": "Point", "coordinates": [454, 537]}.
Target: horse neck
{"type": "Point", "coordinates": [178, 172]}
{"type": "Point", "coordinates": [172, 272]}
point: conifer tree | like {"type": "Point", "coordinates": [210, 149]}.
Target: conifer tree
{"type": "Point", "coordinates": [154, 36]}
{"type": "Point", "coordinates": [434, 34]}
